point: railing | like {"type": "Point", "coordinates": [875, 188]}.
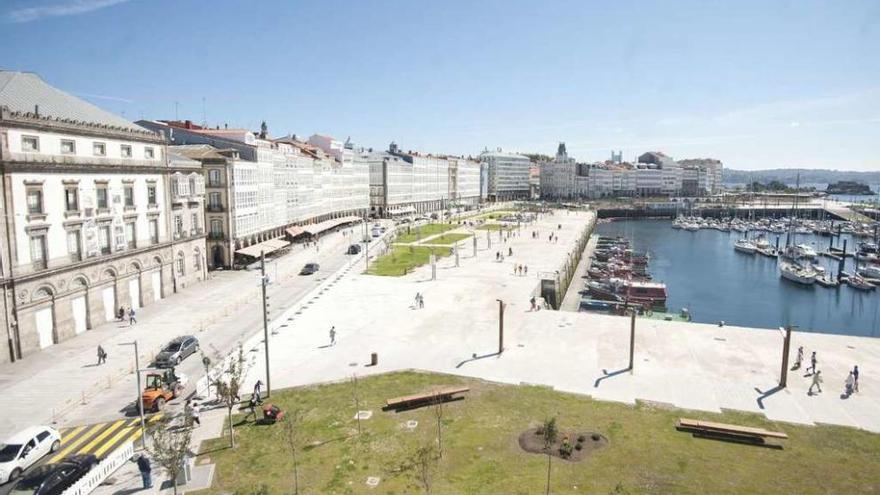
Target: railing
{"type": "Point", "coordinates": [214, 208]}
{"type": "Point", "coordinates": [102, 471]}
{"type": "Point", "coordinates": [216, 236]}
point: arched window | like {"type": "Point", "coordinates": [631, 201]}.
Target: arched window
{"type": "Point", "coordinates": [197, 260]}
{"type": "Point", "coordinates": [181, 262]}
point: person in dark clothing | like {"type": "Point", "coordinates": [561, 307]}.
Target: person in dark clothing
{"type": "Point", "coordinates": [121, 314]}
{"type": "Point", "coordinates": [144, 467]}
{"type": "Point", "coordinates": [102, 355]}
{"type": "Point", "coordinates": [812, 368]}
{"type": "Point", "coordinates": [855, 373]}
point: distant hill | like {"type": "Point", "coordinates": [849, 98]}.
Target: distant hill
{"type": "Point", "coordinates": [808, 176]}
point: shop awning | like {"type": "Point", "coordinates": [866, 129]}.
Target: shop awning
{"type": "Point", "coordinates": [263, 247]}
{"type": "Point", "coordinates": [317, 228]}
{"type": "Point", "coordinates": [295, 231]}
{"type": "Point", "coordinates": [403, 211]}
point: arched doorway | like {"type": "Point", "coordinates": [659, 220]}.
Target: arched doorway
{"type": "Point", "coordinates": [217, 256]}
{"type": "Point", "coordinates": [134, 286]}
{"type": "Point", "coordinates": [44, 316]}
{"type": "Point", "coordinates": [108, 294]}
{"type": "Point", "coordinates": [79, 304]}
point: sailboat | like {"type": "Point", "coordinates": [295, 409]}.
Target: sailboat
{"type": "Point", "coordinates": [800, 274]}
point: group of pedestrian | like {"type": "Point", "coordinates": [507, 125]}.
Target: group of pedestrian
{"type": "Point", "coordinates": [553, 238]}
{"type": "Point", "coordinates": [120, 315]}
{"type": "Point", "coordinates": [499, 256]}
{"type": "Point", "coordinates": [520, 269]}
{"type": "Point", "coordinates": [535, 234]}
{"type": "Point", "coordinates": [850, 384]}
{"type": "Point", "coordinates": [419, 302]}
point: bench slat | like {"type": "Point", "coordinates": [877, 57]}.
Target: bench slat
{"type": "Point", "coordinates": [728, 428]}
{"type": "Point", "coordinates": [442, 393]}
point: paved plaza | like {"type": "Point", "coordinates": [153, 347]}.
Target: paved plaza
{"type": "Point", "coordinates": [687, 365]}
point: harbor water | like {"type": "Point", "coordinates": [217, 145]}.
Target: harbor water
{"type": "Point", "coordinates": [704, 274]}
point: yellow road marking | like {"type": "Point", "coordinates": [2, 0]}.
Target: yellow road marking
{"type": "Point", "coordinates": [69, 448]}
{"type": "Point", "coordinates": [156, 417]}
{"type": "Point", "coordinates": [71, 433]}
{"type": "Point", "coordinates": [104, 434]}
{"type": "Point", "coordinates": [110, 443]}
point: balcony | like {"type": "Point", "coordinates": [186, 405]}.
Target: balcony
{"type": "Point", "coordinates": [215, 208]}
{"type": "Point", "coordinates": [216, 236]}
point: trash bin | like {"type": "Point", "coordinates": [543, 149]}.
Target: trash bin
{"type": "Point", "coordinates": [374, 359]}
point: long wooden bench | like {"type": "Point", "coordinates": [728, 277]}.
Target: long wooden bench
{"type": "Point", "coordinates": [437, 395]}
{"type": "Point", "coordinates": [711, 428]}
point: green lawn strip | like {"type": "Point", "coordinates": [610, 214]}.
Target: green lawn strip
{"type": "Point", "coordinates": [494, 227]}
{"type": "Point", "coordinates": [421, 232]}
{"type": "Point", "coordinates": [447, 239]}
{"type": "Point", "coordinates": [645, 454]}
{"type": "Point", "coordinates": [404, 258]}
{"type": "Point", "coordinates": [495, 215]}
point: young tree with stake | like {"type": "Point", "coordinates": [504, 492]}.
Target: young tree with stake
{"type": "Point", "coordinates": [228, 387]}
{"type": "Point", "coordinates": [170, 448]}
{"type": "Point", "coordinates": [550, 435]}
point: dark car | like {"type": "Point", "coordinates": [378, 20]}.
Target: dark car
{"type": "Point", "coordinates": [53, 479]}
{"type": "Point", "coordinates": [309, 269]}
{"type": "Point", "coordinates": [353, 249]}
{"type": "Point", "coordinates": [177, 350]}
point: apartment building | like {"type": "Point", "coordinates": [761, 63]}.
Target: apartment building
{"type": "Point", "coordinates": [89, 200]}
{"type": "Point", "coordinates": [507, 175]}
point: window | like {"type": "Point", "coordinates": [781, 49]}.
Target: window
{"type": "Point", "coordinates": [43, 435]}
{"type": "Point", "coordinates": [216, 226]}
{"type": "Point", "coordinates": [99, 149]}
{"type": "Point", "coordinates": [181, 262]}
{"type": "Point", "coordinates": [104, 239]}
{"type": "Point", "coordinates": [197, 261]}
{"type": "Point", "coordinates": [125, 151]}
{"type": "Point", "coordinates": [149, 153]}
{"type": "Point", "coordinates": [154, 231]}
{"type": "Point", "coordinates": [102, 195]}
{"type": "Point", "coordinates": [30, 143]}
{"type": "Point", "coordinates": [195, 222]}
{"type": "Point", "coordinates": [178, 225]}
{"type": "Point", "coordinates": [38, 250]}
{"type": "Point", "coordinates": [151, 194]}
{"type": "Point", "coordinates": [130, 235]}
{"type": "Point", "coordinates": [35, 201]}
{"type": "Point", "coordinates": [129, 195]}
{"type": "Point", "coordinates": [214, 200]}
{"type": "Point", "coordinates": [74, 245]}
{"type": "Point", "coordinates": [214, 178]}
{"type": "Point", "coordinates": [68, 147]}
{"type": "Point", "coordinates": [71, 199]}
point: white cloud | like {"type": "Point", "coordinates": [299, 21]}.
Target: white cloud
{"type": "Point", "coordinates": [62, 9]}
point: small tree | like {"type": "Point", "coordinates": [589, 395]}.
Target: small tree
{"type": "Point", "coordinates": [438, 413]}
{"type": "Point", "coordinates": [228, 386]}
{"type": "Point", "coordinates": [170, 448]}
{"type": "Point", "coordinates": [550, 435]}
{"type": "Point", "coordinates": [424, 464]}
{"type": "Point", "coordinates": [290, 423]}
{"type": "Point", "coordinates": [357, 401]}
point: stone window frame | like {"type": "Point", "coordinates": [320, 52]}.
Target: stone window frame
{"type": "Point", "coordinates": [34, 186]}
{"type": "Point", "coordinates": [128, 185]}
{"type": "Point", "coordinates": [105, 223]}
{"type": "Point", "coordinates": [72, 148]}
{"type": "Point", "coordinates": [152, 186]}
{"type": "Point", "coordinates": [127, 221]}
{"type": "Point", "coordinates": [151, 218]}
{"type": "Point", "coordinates": [103, 146]}
{"type": "Point", "coordinates": [36, 143]}
{"type": "Point", "coordinates": [74, 226]}
{"type": "Point", "coordinates": [34, 231]}
{"type": "Point", "coordinates": [149, 152]}
{"type": "Point", "coordinates": [122, 151]}
{"type": "Point", "coordinates": [72, 184]}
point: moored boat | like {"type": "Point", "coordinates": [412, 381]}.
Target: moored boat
{"type": "Point", "coordinates": [804, 275]}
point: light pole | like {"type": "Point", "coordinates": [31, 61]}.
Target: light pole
{"type": "Point", "coordinates": [500, 326]}
{"type": "Point", "coordinates": [264, 281]}
{"type": "Point", "coordinates": [140, 402]}
{"type": "Point", "coordinates": [786, 344]}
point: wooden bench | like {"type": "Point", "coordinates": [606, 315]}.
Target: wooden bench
{"type": "Point", "coordinates": [728, 431]}
{"type": "Point", "coordinates": [437, 395]}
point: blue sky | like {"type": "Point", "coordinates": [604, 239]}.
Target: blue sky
{"type": "Point", "coordinates": [757, 84]}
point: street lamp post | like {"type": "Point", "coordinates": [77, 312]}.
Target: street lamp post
{"type": "Point", "coordinates": [140, 402]}
{"type": "Point", "coordinates": [263, 283]}
{"type": "Point", "coordinates": [500, 326]}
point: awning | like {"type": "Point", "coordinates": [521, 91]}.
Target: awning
{"type": "Point", "coordinates": [295, 231]}
{"type": "Point", "coordinates": [264, 247]}
{"type": "Point", "coordinates": [329, 224]}
{"type": "Point", "coordinates": [403, 211]}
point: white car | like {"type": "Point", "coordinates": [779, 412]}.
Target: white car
{"type": "Point", "coordinates": [25, 448]}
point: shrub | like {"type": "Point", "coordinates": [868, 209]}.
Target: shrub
{"type": "Point", "coordinates": [596, 437]}
{"type": "Point", "coordinates": [578, 447]}
{"type": "Point", "coordinates": [539, 430]}
{"type": "Point", "coordinates": [582, 439]}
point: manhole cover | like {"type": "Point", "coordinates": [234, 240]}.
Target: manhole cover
{"type": "Point", "coordinates": [373, 481]}
{"type": "Point", "coordinates": [412, 424]}
{"type": "Point", "coordinates": [363, 415]}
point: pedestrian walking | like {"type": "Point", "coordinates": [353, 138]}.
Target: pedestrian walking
{"type": "Point", "coordinates": [849, 384]}
{"type": "Point", "coordinates": [855, 373]}
{"type": "Point", "coordinates": [258, 392]}
{"type": "Point", "coordinates": [812, 368]}
{"type": "Point", "coordinates": [526, 269]}
{"type": "Point", "coordinates": [120, 315]}
{"type": "Point", "coordinates": [510, 251]}
{"type": "Point", "coordinates": [143, 463]}
{"type": "Point", "coordinates": [132, 319]}
{"type": "Point", "coordinates": [333, 335]}
{"type": "Point", "coordinates": [532, 301]}
{"type": "Point", "coordinates": [799, 359]}
{"type": "Point", "coordinates": [421, 301]}
{"type": "Point", "coordinates": [194, 414]}
{"type": "Point", "coordinates": [252, 409]}
{"type": "Point", "coordinates": [416, 301]}
{"type": "Point", "coordinates": [817, 382]}
{"type": "Point", "coordinates": [102, 355]}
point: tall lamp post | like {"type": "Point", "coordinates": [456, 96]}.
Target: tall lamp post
{"type": "Point", "coordinates": [264, 281]}
{"type": "Point", "coordinates": [140, 402]}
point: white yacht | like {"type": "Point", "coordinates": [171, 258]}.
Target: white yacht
{"type": "Point", "coordinates": [804, 275]}
{"type": "Point", "coordinates": [745, 246]}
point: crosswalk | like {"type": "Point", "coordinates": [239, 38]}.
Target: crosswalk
{"type": "Point", "coordinates": [101, 438]}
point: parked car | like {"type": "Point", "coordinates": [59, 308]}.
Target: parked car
{"type": "Point", "coordinates": [376, 232]}
{"type": "Point", "coordinates": [434, 216]}
{"type": "Point", "coordinates": [177, 350]}
{"type": "Point", "coordinates": [309, 269]}
{"type": "Point", "coordinates": [405, 220]}
{"type": "Point", "coordinates": [54, 479]}
{"type": "Point", "coordinates": [354, 249]}
{"type": "Point", "coordinates": [25, 448]}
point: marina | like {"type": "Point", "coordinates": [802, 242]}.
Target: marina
{"type": "Point", "coordinates": [719, 277]}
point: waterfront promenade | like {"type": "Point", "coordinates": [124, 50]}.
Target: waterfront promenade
{"type": "Point", "coordinates": [686, 365]}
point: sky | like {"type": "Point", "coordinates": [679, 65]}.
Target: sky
{"type": "Point", "coordinates": [756, 84]}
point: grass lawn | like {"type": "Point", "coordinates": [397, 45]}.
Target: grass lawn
{"type": "Point", "coordinates": [448, 239]}
{"type": "Point", "coordinates": [495, 215]}
{"type": "Point", "coordinates": [494, 227]}
{"type": "Point", "coordinates": [426, 230]}
{"type": "Point", "coordinates": [481, 454]}
{"type": "Point", "coordinates": [404, 257]}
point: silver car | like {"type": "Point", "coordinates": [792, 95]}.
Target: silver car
{"type": "Point", "coordinates": [177, 350]}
